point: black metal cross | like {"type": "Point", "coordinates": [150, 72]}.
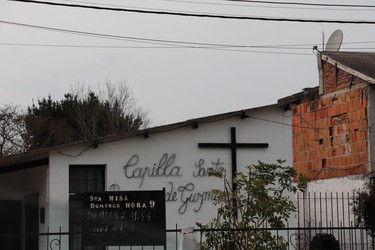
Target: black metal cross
{"type": "Point", "coordinates": [233, 145]}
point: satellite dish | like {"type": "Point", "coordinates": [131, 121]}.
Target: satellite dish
{"type": "Point", "coordinates": [334, 41]}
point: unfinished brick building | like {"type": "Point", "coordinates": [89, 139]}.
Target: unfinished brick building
{"type": "Point", "coordinates": [333, 140]}
{"type": "Point", "coordinates": [334, 143]}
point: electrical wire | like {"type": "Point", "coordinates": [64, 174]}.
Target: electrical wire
{"type": "Point", "coordinates": [257, 5]}
{"type": "Point", "coordinates": [163, 41]}
{"type": "Point", "coordinates": [168, 43]}
{"type": "Point", "coordinates": [149, 47]}
{"type": "Point", "coordinates": [305, 127]}
{"type": "Point", "coordinates": [131, 7]}
{"type": "Point", "coordinates": [106, 36]}
{"type": "Point", "coordinates": [155, 47]}
{"type": "Point", "coordinates": [306, 4]}
{"type": "Point", "coordinates": [255, 18]}
{"type": "Point", "coordinates": [231, 5]}
{"type": "Point", "coordinates": [91, 46]}
{"type": "Point", "coordinates": [164, 44]}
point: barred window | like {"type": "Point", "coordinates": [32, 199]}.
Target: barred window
{"type": "Point", "coordinates": [82, 178]}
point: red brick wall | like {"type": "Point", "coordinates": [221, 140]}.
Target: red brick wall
{"type": "Point", "coordinates": [336, 79]}
{"type": "Point", "coordinates": [330, 133]}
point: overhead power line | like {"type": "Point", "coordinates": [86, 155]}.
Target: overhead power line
{"type": "Point", "coordinates": [168, 44]}
{"type": "Point", "coordinates": [276, 19]}
{"type": "Point", "coordinates": [139, 39]}
{"type": "Point", "coordinates": [89, 46]}
{"type": "Point", "coordinates": [241, 4]}
{"type": "Point", "coordinates": [111, 36]}
{"type": "Point", "coordinates": [306, 4]}
{"type": "Point", "coordinates": [162, 43]}
{"type": "Point", "coordinates": [150, 47]}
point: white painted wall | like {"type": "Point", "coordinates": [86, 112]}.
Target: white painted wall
{"type": "Point", "coordinates": [341, 184]}
{"type": "Point", "coordinates": [328, 203]}
{"type": "Point", "coordinates": [339, 189]}
{"type": "Point", "coordinates": [181, 148]}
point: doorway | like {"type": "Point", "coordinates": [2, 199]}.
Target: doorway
{"type": "Point", "coordinates": [32, 222]}
{"type": "Point", "coordinates": [10, 225]}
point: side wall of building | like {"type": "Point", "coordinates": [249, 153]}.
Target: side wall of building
{"type": "Point", "coordinates": [332, 147]}
{"type": "Point", "coordinates": [330, 135]}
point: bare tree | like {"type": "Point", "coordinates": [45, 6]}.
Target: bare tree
{"type": "Point", "coordinates": [118, 107]}
{"type": "Point", "coordinates": [12, 130]}
{"type": "Point", "coordinates": [84, 114]}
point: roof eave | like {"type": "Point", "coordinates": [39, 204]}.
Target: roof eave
{"type": "Point", "coordinates": [41, 157]}
{"type": "Point", "coordinates": [341, 66]}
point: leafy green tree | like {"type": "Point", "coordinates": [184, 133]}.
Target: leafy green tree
{"type": "Point", "coordinates": [83, 114]}
{"type": "Point", "coordinates": [364, 207]}
{"type": "Point", "coordinates": [260, 201]}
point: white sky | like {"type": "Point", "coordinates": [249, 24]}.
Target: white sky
{"type": "Point", "coordinates": [175, 84]}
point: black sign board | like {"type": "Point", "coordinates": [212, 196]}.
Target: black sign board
{"type": "Point", "coordinates": [128, 218]}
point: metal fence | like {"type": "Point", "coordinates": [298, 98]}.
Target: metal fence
{"type": "Point", "coordinates": [352, 238]}
{"type": "Point", "coordinates": [331, 214]}
{"type": "Point", "coordinates": [322, 221]}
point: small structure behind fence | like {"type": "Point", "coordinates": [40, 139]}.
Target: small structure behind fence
{"type": "Point", "coordinates": [330, 214]}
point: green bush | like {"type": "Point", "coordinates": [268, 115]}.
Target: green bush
{"type": "Point", "coordinates": [259, 201]}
